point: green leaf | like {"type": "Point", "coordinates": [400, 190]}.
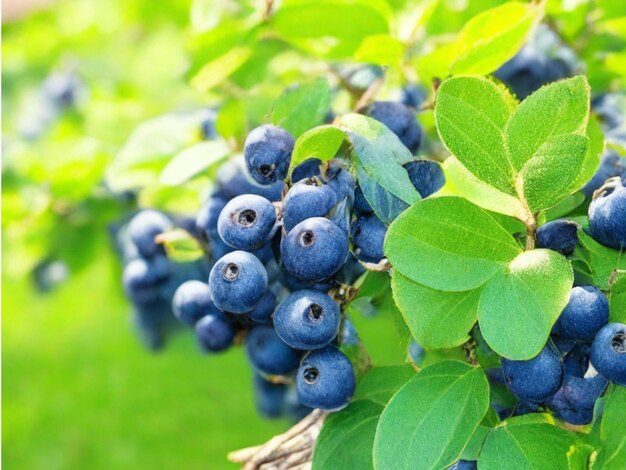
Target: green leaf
{"type": "Point", "coordinates": [449, 244]}
{"type": "Point", "coordinates": [180, 245]}
{"type": "Point", "coordinates": [194, 160]}
{"type": "Point", "coordinates": [528, 444]}
{"type": "Point", "coordinates": [321, 142]}
{"type": "Point", "coordinates": [429, 421]}
{"type": "Point", "coordinates": [600, 261]}
{"type": "Point", "coordinates": [379, 384]}
{"type": "Point", "coordinates": [549, 176]}
{"type": "Point", "coordinates": [471, 114]}
{"type": "Point", "coordinates": [617, 297]}
{"type": "Point", "coordinates": [149, 147]}
{"type": "Point", "coordinates": [612, 454]}
{"type": "Point", "coordinates": [519, 306]}
{"type": "Point", "coordinates": [565, 207]}
{"type": "Point", "coordinates": [379, 156]}
{"type": "Point", "coordinates": [320, 26]}
{"type": "Point", "coordinates": [591, 162]}
{"type": "Point", "coordinates": [494, 36]}
{"type": "Point", "coordinates": [216, 71]}
{"type": "Point", "coordinates": [302, 107]}
{"type": "Point", "coordinates": [436, 319]}
{"type": "Point", "coordinates": [380, 49]}
{"type": "Point", "coordinates": [558, 108]}
{"type": "Point", "coordinates": [459, 181]}
{"type": "Point", "coordinates": [346, 438]}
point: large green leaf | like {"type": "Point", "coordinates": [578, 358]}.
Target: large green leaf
{"type": "Point", "coordinates": [471, 114]}
{"type": "Point", "coordinates": [459, 181]}
{"type": "Point", "coordinates": [193, 160]}
{"type": "Point", "coordinates": [591, 162]}
{"type": "Point", "coordinates": [494, 36]}
{"type": "Point", "coordinates": [448, 244]}
{"type": "Point", "coordinates": [552, 171]}
{"type": "Point", "coordinates": [346, 438]}
{"type": "Point", "coordinates": [527, 443]}
{"type": "Point", "coordinates": [430, 420]}
{"type": "Point", "coordinates": [216, 71]}
{"type": "Point", "coordinates": [612, 455]}
{"type": "Point", "coordinates": [321, 142]}
{"type": "Point", "coordinates": [558, 108]}
{"type": "Point", "coordinates": [379, 155]}
{"type": "Point", "coordinates": [519, 306]}
{"type": "Point", "coordinates": [436, 319]}
{"type": "Point", "coordinates": [302, 107]}
{"type": "Point", "coordinates": [380, 383]}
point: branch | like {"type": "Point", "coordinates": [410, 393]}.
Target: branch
{"type": "Point", "coordinates": [288, 451]}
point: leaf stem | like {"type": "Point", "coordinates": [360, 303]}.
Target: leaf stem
{"type": "Point", "coordinates": [531, 232]}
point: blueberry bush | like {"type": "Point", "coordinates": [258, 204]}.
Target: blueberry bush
{"type": "Point", "coordinates": [460, 167]}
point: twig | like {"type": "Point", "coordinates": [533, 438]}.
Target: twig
{"type": "Point", "coordinates": [288, 451]}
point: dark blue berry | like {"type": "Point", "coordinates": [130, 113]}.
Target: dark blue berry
{"type": "Point", "coordinates": [607, 215]}
{"type": "Point", "coordinates": [192, 301]}
{"type": "Point", "coordinates": [247, 222]}
{"type": "Point", "coordinates": [268, 353]}
{"type": "Point", "coordinates": [307, 169]}
{"type": "Point", "coordinates": [400, 120]}
{"type": "Point", "coordinates": [608, 353]}
{"type": "Point", "coordinates": [426, 175]}
{"type": "Point", "coordinates": [585, 314]}
{"type": "Point", "coordinates": [535, 380]}
{"type": "Point", "coordinates": [214, 332]}
{"type": "Point", "coordinates": [143, 229]}
{"type": "Point", "coordinates": [558, 235]}
{"type": "Point", "coordinates": [307, 198]}
{"type": "Point", "coordinates": [368, 235]}
{"type": "Point", "coordinates": [267, 152]}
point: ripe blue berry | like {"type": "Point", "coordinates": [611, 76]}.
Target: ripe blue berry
{"type": "Point", "coordinates": [361, 204]}
{"type": "Point", "coordinates": [206, 221]}
{"type": "Point", "coordinates": [268, 353]}
{"type": "Point", "coordinates": [144, 227]}
{"type": "Point", "coordinates": [143, 278]}
{"type": "Point", "coordinates": [341, 181]}
{"type": "Point", "coordinates": [215, 332]}
{"type": "Point", "coordinates": [325, 379]}
{"type": "Point", "coordinates": [238, 281]}
{"type": "Point", "coordinates": [233, 180]}
{"type": "Point", "coordinates": [247, 222]}
{"type": "Point", "coordinates": [307, 320]}
{"type": "Point", "coordinates": [400, 120]}
{"type": "Point", "coordinates": [535, 380]}
{"type": "Point", "coordinates": [558, 235]}
{"type": "Point", "coordinates": [267, 151]}
{"type": "Point", "coordinates": [314, 249]}
{"type": "Point", "coordinates": [307, 199]}
{"type": "Point", "coordinates": [607, 214]}
{"type": "Point", "coordinates": [269, 397]}
{"type": "Point", "coordinates": [575, 400]}
{"type": "Point", "coordinates": [608, 353]}
{"type": "Point", "coordinates": [307, 169]}
{"type": "Point", "coordinates": [426, 175]}
{"type": "Point", "coordinates": [262, 312]}
{"type": "Point", "coordinates": [586, 312]}
{"type": "Point", "coordinates": [192, 301]}
{"type": "Point", "coordinates": [611, 165]}
{"type": "Point", "coordinates": [368, 235]}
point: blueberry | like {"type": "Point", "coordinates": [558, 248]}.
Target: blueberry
{"type": "Point", "coordinates": [607, 214]}
{"type": "Point", "coordinates": [535, 380]}
{"type": "Point", "coordinates": [294, 284]}
{"type": "Point", "coordinates": [144, 227]}
{"type": "Point", "coordinates": [233, 180]}
{"type": "Point", "coordinates": [576, 362]}
{"type": "Point", "coordinates": [214, 332]}
{"type": "Point", "coordinates": [307, 199]}
{"type": "Point", "coordinates": [368, 235]}
{"type": "Point", "coordinates": [608, 353]}
{"type": "Point", "coordinates": [417, 352]}
{"type": "Point", "coordinates": [558, 235]}
{"type": "Point", "coordinates": [295, 410]}
{"type": "Point", "coordinates": [262, 312]}
{"type": "Point", "coordinates": [307, 169]}
{"type": "Point", "coordinates": [192, 301]}
{"type": "Point", "coordinates": [564, 345]}
{"type": "Point", "coordinates": [361, 204]}
{"type": "Point", "coordinates": [426, 175]}
{"type": "Point", "coordinates": [359, 77]}
{"type": "Point", "coordinates": [325, 379]}
{"type": "Point", "coordinates": [218, 247]}
{"type": "Point", "coordinates": [148, 321]}
{"type": "Point", "coordinates": [270, 354]}
{"type": "Point", "coordinates": [350, 271]}
{"type": "Point", "coordinates": [269, 397]}
{"type": "Point", "coordinates": [307, 320]}
{"type": "Point", "coordinates": [208, 215]}
{"type": "Point", "coordinates": [400, 120]}
{"type": "Point", "coordinates": [314, 249]}
{"type": "Point", "coordinates": [207, 126]}
{"type": "Point", "coordinates": [575, 400]}
{"type": "Point", "coordinates": [265, 252]}
{"type": "Point", "coordinates": [341, 181]}
{"type": "Point", "coordinates": [267, 151]}
{"type": "Point", "coordinates": [586, 312]}
{"type": "Point", "coordinates": [62, 88]}
{"type": "Point", "coordinates": [464, 465]}
{"type": "Point", "coordinates": [238, 281]}
{"type": "Point", "coordinates": [143, 278]}
{"type": "Point", "coordinates": [611, 165]}
{"type": "Point", "coordinates": [247, 222]}
{"type": "Point", "coordinates": [413, 96]}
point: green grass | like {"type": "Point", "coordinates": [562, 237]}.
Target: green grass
{"type": "Point", "coordinates": [78, 391]}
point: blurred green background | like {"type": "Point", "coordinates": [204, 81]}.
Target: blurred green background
{"type": "Point", "coordinates": [78, 390]}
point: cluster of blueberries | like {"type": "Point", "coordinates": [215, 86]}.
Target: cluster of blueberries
{"type": "Point", "coordinates": [282, 244]}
